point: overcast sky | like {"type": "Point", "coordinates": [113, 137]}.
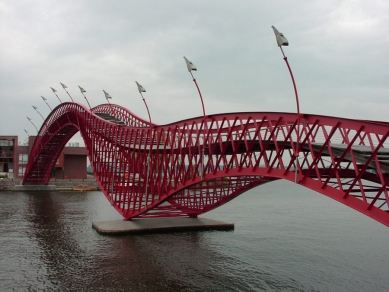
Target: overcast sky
{"type": "Point", "coordinates": [338, 53]}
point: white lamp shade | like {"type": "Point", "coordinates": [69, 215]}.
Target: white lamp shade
{"type": "Point", "coordinates": [281, 40]}
{"type": "Point", "coordinates": [140, 87]}
{"type": "Point", "coordinates": [190, 65]}
{"type": "Point", "coordinates": [81, 89]}
{"type": "Point", "coordinates": [107, 96]}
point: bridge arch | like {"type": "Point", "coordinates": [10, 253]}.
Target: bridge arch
{"type": "Point", "coordinates": [190, 167]}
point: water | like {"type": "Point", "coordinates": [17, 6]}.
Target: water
{"type": "Point", "coordinates": [286, 238]}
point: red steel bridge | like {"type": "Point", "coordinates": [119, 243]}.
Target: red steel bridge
{"type": "Point", "coordinates": [192, 166]}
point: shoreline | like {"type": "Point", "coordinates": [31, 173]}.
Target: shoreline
{"type": "Point", "coordinates": [9, 185]}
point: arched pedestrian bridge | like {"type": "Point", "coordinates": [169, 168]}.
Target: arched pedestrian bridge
{"type": "Point", "coordinates": [192, 166]}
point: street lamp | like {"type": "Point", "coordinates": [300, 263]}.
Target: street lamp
{"type": "Point", "coordinates": [45, 100]}
{"type": "Point", "coordinates": [33, 124]}
{"type": "Point", "coordinates": [82, 91]}
{"type": "Point", "coordinates": [282, 41]}
{"type": "Point", "coordinates": [108, 97]}
{"type": "Point", "coordinates": [55, 92]}
{"type": "Point", "coordinates": [35, 108]}
{"type": "Point", "coordinates": [191, 67]}
{"type": "Point", "coordinates": [64, 87]}
{"type": "Point", "coordinates": [141, 89]}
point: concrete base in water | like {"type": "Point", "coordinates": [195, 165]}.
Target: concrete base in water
{"type": "Point", "coordinates": [156, 225]}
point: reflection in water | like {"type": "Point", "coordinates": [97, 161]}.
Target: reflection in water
{"type": "Point", "coordinates": [278, 244]}
{"type": "Point", "coordinates": [60, 252]}
{"type": "Point", "coordinates": [72, 262]}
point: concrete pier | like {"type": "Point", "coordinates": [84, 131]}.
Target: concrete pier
{"type": "Point", "coordinates": [158, 225]}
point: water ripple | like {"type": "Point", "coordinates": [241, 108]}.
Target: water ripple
{"type": "Point", "coordinates": [295, 240]}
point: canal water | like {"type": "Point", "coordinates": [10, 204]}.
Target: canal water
{"type": "Point", "coordinates": [286, 238]}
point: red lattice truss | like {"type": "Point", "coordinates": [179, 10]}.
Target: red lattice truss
{"type": "Point", "coordinates": [191, 167]}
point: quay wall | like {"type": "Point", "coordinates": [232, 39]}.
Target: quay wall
{"type": "Point", "coordinates": [54, 185]}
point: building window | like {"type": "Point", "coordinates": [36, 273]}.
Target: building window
{"type": "Point", "coordinates": [22, 170]}
{"type": "Point", "coordinates": [23, 158]}
{"type": "Point", "coordinates": [4, 142]}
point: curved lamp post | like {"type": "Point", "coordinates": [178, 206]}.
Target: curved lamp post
{"type": "Point", "coordinates": [45, 100]}
{"type": "Point", "coordinates": [64, 87]}
{"type": "Point", "coordinates": [141, 89]}
{"type": "Point", "coordinates": [33, 124]}
{"type": "Point", "coordinates": [35, 108]}
{"type": "Point", "coordinates": [108, 97]}
{"type": "Point", "coordinates": [82, 92]}
{"type": "Point", "coordinates": [282, 41]}
{"type": "Point", "coordinates": [191, 67]}
{"type": "Point", "coordinates": [55, 92]}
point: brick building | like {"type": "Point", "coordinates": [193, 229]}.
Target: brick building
{"type": "Point", "coordinates": [71, 164]}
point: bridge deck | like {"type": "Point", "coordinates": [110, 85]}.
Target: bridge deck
{"type": "Point", "coordinates": [361, 153]}
{"type": "Point", "coordinates": [110, 118]}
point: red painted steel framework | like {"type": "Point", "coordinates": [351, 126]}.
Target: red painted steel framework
{"type": "Point", "coordinates": [195, 165]}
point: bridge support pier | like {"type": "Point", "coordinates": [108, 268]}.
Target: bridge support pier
{"type": "Point", "coordinates": [159, 225]}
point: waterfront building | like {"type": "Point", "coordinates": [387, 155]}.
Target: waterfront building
{"type": "Point", "coordinates": [14, 155]}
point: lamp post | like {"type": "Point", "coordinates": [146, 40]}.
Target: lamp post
{"type": "Point", "coordinates": [282, 41]}
{"type": "Point", "coordinates": [33, 124]}
{"type": "Point", "coordinates": [141, 89]}
{"type": "Point", "coordinates": [28, 137]}
{"type": "Point", "coordinates": [45, 100]}
{"type": "Point", "coordinates": [64, 87]}
{"type": "Point", "coordinates": [55, 92]}
{"type": "Point", "coordinates": [191, 67]}
{"type": "Point", "coordinates": [82, 92]}
{"type": "Point", "coordinates": [108, 97]}
{"type": "Point", "coordinates": [35, 108]}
